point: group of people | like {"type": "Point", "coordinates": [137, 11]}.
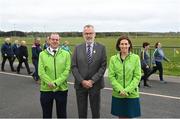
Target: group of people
{"type": "Point", "coordinates": [88, 64]}
{"type": "Point", "coordinates": [157, 58]}
{"type": "Point", "coordinates": [16, 51]}
{"type": "Point", "coordinates": [19, 51]}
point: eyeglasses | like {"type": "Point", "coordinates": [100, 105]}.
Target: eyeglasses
{"type": "Point", "coordinates": [88, 33]}
{"type": "Point", "coordinates": [55, 39]}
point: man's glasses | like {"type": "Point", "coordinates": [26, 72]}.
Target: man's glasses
{"type": "Point", "coordinates": [88, 33]}
{"type": "Point", "coordinates": [54, 39]}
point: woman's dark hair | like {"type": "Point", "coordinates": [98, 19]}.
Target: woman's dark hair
{"type": "Point", "coordinates": [123, 37]}
{"type": "Point", "coordinates": [145, 44]}
{"type": "Point", "coordinates": [156, 45]}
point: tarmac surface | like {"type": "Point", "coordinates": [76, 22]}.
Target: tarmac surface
{"type": "Point", "coordinates": [19, 97]}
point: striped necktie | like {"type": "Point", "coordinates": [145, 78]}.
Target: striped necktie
{"type": "Point", "coordinates": [89, 56]}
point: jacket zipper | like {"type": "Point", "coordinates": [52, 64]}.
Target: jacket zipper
{"type": "Point", "coordinates": [55, 66]}
{"type": "Point", "coordinates": [124, 74]}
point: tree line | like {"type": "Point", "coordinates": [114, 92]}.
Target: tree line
{"type": "Point", "coordinates": [98, 34]}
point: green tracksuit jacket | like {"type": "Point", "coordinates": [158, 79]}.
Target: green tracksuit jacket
{"type": "Point", "coordinates": [54, 69]}
{"type": "Point", "coordinates": [125, 76]}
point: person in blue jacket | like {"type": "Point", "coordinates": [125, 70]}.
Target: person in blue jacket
{"type": "Point", "coordinates": [158, 57]}
{"type": "Point", "coordinates": [65, 46]}
{"type": "Point", "coordinates": [7, 53]}
{"type": "Point", "coordinates": [36, 49]}
{"type": "Point", "coordinates": [15, 48]}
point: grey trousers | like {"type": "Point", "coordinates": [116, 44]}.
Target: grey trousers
{"type": "Point", "coordinates": [82, 102]}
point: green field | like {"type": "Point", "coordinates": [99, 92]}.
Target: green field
{"type": "Point", "coordinates": [169, 45]}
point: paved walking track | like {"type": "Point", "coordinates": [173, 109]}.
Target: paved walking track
{"type": "Point", "coordinates": [19, 97]}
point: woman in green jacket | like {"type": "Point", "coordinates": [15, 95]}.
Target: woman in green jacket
{"type": "Point", "coordinates": [54, 68]}
{"type": "Point", "coordinates": [124, 73]}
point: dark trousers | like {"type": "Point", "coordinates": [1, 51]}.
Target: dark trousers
{"type": "Point", "coordinates": [157, 67]}
{"type": "Point", "coordinates": [4, 61]}
{"type": "Point", "coordinates": [82, 102]}
{"type": "Point", "coordinates": [21, 60]}
{"type": "Point", "coordinates": [14, 58]}
{"type": "Point", "coordinates": [145, 76]}
{"type": "Point", "coordinates": [35, 63]}
{"type": "Point", "coordinates": [47, 98]}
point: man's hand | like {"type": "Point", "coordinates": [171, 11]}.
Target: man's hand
{"type": "Point", "coordinates": [86, 84]}
{"type": "Point", "coordinates": [147, 66]}
{"type": "Point", "coordinates": [91, 82]}
{"type": "Point", "coordinates": [24, 57]}
{"type": "Point", "coordinates": [51, 85]}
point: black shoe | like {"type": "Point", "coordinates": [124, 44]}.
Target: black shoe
{"type": "Point", "coordinates": [146, 85]}
{"type": "Point", "coordinates": [2, 70]}
{"type": "Point", "coordinates": [18, 72]}
{"type": "Point", "coordinates": [13, 70]}
{"type": "Point", "coordinates": [30, 73]}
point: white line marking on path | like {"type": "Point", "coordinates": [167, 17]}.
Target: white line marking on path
{"type": "Point", "coordinates": [152, 94]}
{"type": "Point", "coordinates": [12, 74]}
{"type": "Point", "coordinates": [143, 93]}
{"type": "Point", "coordinates": [158, 95]}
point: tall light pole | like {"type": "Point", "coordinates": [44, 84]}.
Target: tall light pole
{"type": "Point", "coordinates": [14, 29]}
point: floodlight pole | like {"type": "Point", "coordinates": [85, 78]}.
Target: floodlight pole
{"type": "Point", "coordinates": [14, 30]}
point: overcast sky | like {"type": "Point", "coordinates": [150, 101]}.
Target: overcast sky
{"type": "Point", "coordinates": [105, 15]}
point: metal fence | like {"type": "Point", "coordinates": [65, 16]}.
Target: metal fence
{"type": "Point", "coordinates": [171, 52]}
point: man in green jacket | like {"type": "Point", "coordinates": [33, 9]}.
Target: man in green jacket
{"type": "Point", "coordinates": [54, 68]}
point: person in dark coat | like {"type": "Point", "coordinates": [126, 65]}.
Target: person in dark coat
{"type": "Point", "coordinates": [88, 68]}
{"type": "Point", "coordinates": [145, 63]}
{"type": "Point", "coordinates": [23, 57]}
{"type": "Point", "coordinates": [46, 44]}
{"type": "Point", "coordinates": [36, 49]}
{"type": "Point", "coordinates": [15, 48]}
{"type": "Point", "coordinates": [7, 53]}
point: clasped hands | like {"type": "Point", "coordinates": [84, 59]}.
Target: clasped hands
{"type": "Point", "coordinates": [87, 83]}
{"type": "Point", "coordinates": [51, 85]}
{"type": "Point", "coordinates": [123, 93]}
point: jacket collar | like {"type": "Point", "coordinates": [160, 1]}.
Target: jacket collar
{"type": "Point", "coordinates": [50, 50]}
{"type": "Point", "coordinates": [118, 56]}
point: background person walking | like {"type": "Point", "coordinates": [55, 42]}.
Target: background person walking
{"type": "Point", "coordinates": [36, 49]}
{"type": "Point", "coordinates": [23, 57]}
{"type": "Point", "coordinates": [158, 57]}
{"type": "Point", "coordinates": [145, 61]}
{"type": "Point", "coordinates": [15, 48]}
{"type": "Point", "coordinates": [7, 53]}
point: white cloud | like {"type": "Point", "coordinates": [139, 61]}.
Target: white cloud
{"type": "Point", "coordinates": [105, 15]}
